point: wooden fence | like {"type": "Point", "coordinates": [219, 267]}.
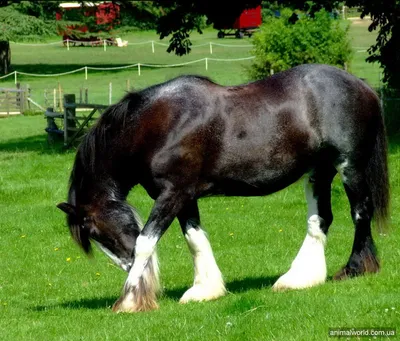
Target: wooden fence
{"type": "Point", "coordinates": [13, 101]}
{"type": "Point", "coordinates": [73, 121]}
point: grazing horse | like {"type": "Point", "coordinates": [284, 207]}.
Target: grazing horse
{"type": "Point", "coordinates": [189, 137]}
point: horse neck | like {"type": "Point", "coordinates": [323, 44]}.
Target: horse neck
{"type": "Point", "coordinates": [94, 188]}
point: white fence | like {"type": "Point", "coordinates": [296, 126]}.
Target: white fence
{"type": "Point", "coordinates": [86, 69]}
{"type": "Point", "coordinates": [105, 43]}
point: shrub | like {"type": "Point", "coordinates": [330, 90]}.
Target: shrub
{"type": "Point", "coordinates": [282, 44]}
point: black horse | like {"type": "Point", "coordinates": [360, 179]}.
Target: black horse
{"type": "Point", "coordinates": [189, 137]}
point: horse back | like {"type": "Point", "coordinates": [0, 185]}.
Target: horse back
{"type": "Point", "coordinates": [251, 139]}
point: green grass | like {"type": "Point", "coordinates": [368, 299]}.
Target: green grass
{"type": "Point", "coordinates": [51, 59]}
{"type": "Point", "coordinates": [50, 291]}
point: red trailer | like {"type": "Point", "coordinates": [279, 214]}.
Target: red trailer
{"type": "Point", "coordinates": [248, 21]}
{"type": "Point", "coordinates": [105, 14]}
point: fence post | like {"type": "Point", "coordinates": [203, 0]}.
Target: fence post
{"type": "Point", "coordinates": [55, 99]}
{"type": "Point", "coordinates": [69, 115]}
{"type": "Point", "coordinates": [46, 99]}
{"type": "Point", "coordinates": [67, 44]}
{"type": "Point", "coordinates": [28, 96]}
{"type": "Point", "coordinates": [152, 46]}
{"type": "Point", "coordinates": [85, 72]}
{"type": "Point", "coordinates": [60, 96]}
{"type": "Point", "coordinates": [86, 95]}
{"type": "Point", "coordinates": [206, 63]}
{"type": "Point", "coordinates": [7, 103]}
{"type": "Point", "coordinates": [211, 47]}
{"type": "Point", "coordinates": [105, 45]}
{"type": "Point", "coordinates": [15, 77]}
{"type": "Point", "coordinates": [18, 97]}
{"type": "Point", "coordinates": [110, 93]}
{"type": "Point", "coordinates": [138, 68]}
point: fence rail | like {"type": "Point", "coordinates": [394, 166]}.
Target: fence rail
{"type": "Point", "coordinates": [73, 126]}
{"type": "Point", "coordinates": [85, 69]}
{"type": "Point", "coordinates": [12, 101]}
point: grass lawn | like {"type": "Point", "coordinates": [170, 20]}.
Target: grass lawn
{"type": "Point", "coordinates": [50, 291]}
{"type": "Point", "coordinates": [53, 59]}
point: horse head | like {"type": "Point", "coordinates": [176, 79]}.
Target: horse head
{"type": "Point", "coordinates": [112, 226]}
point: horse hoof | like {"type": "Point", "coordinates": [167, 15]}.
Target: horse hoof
{"type": "Point", "coordinates": [297, 281]}
{"type": "Point", "coordinates": [368, 265]}
{"type": "Point", "coordinates": [199, 293]}
{"type": "Point", "coordinates": [128, 304]}
{"type": "Point", "coordinates": [124, 305]}
{"type": "Point", "coordinates": [343, 274]}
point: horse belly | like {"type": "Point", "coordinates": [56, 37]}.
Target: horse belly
{"type": "Point", "coordinates": [258, 178]}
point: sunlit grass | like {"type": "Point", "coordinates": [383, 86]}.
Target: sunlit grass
{"type": "Point", "coordinates": [51, 59]}
{"type": "Point", "coordinates": [50, 291]}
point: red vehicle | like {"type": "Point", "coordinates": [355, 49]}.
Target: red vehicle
{"type": "Point", "coordinates": [104, 17]}
{"type": "Point", "coordinates": [248, 21]}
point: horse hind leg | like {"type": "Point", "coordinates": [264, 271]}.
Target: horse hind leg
{"type": "Point", "coordinates": [363, 256]}
{"type": "Point", "coordinates": [309, 267]}
{"type": "Point", "coordinates": [208, 283]}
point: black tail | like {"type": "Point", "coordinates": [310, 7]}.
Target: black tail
{"type": "Point", "coordinates": [378, 178]}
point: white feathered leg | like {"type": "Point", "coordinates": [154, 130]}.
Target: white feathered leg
{"type": "Point", "coordinates": [208, 283]}
{"type": "Point", "coordinates": [309, 267]}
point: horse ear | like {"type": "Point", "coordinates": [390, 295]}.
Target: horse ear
{"type": "Point", "coordinates": [67, 208]}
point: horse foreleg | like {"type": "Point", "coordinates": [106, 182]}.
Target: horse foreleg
{"type": "Point", "coordinates": [309, 267]}
{"type": "Point", "coordinates": [141, 287]}
{"type": "Point", "coordinates": [208, 283]}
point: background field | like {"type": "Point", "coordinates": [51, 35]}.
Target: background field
{"type": "Point", "coordinates": [50, 291]}
{"type": "Point", "coordinates": [55, 58]}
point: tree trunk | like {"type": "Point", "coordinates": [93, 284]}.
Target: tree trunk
{"type": "Point", "coordinates": [5, 57]}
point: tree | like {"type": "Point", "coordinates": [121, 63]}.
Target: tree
{"type": "Point", "coordinates": [180, 18]}
{"type": "Point", "coordinates": [282, 44]}
{"type": "Point", "coordinates": [29, 27]}
{"type": "Point", "coordinates": [385, 16]}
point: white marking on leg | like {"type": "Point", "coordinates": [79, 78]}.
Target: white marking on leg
{"type": "Point", "coordinates": [208, 283]}
{"type": "Point", "coordinates": [142, 285]}
{"type": "Point", "coordinates": [144, 248]}
{"type": "Point", "coordinates": [309, 267]}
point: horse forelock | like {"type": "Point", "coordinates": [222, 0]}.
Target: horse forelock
{"type": "Point", "coordinates": [80, 236]}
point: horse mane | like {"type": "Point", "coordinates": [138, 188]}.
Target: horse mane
{"type": "Point", "coordinates": [115, 118]}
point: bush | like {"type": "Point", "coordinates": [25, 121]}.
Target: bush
{"type": "Point", "coordinates": [282, 44]}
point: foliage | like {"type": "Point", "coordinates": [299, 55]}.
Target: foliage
{"type": "Point", "coordinates": [181, 18]}
{"type": "Point", "coordinates": [281, 44]}
{"type": "Point", "coordinates": [386, 19]}
{"type": "Point", "coordinates": [45, 10]}
{"type": "Point", "coordinates": [270, 9]}
{"type": "Point", "coordinates": [48, 287]}
{"type": "Point", "coordinates": [143, 15]}
{"type": "Point", "coordinates": [16, 26]}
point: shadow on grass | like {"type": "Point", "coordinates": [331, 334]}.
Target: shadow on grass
{"type": "Point", "coordinates": [237, 286]}
{"type": "Point", "coordinates": [90, 303]}
{"type": "Point", "coordinates": [36, 143]}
